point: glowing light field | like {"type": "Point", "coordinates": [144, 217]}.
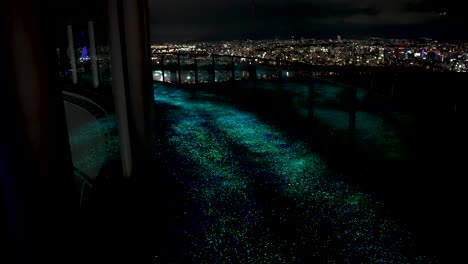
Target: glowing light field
{"type": "Point", "coordinates": [95, 153]}
{"type": "Point", "coordinates": [260, 196]}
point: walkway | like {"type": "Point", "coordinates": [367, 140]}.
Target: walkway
{"type": "Point", "coordinates": [254, 194]}
{"type": "Point", "coordinates": [231, 188]}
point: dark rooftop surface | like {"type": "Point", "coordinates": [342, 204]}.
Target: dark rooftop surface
{"type": "Point", "coordinates": [233, 186]}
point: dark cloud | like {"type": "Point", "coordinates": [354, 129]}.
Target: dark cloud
{"type": "Point", "coordinates": [315, 10]}
{"type": "Point", "coordinates": [222, 19]}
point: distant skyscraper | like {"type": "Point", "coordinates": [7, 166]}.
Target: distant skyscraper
{"type": "Point", "coordinates": [338, 38]}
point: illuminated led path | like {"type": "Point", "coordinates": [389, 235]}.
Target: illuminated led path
{"type": "Point", "coordinates": [89, 129]}
{"type": "Point", "coordinates": [259, 196]}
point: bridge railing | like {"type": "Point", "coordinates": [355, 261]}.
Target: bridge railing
{"type": "Point", "coordinates": [338, 107]}
{"type": "Point", "coordinates": [190, 68]}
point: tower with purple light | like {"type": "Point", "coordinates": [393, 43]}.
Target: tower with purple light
{"type": "Point", "coordinates": [84, 53]}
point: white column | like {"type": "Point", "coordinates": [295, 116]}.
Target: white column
{"type": "Point", "coordinates": [71, 54]}
{"type": "Point", "coordinates": [118, 89]}
{"type": "Point", "coordinates": [92, 47]}
{"type": "Point", "coordinates": [132, 82]}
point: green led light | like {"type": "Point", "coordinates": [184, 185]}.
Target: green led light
{"type": "Point", "coordinates": [91, 148]}
{"type": "Point", "coordinates": [232, 150]}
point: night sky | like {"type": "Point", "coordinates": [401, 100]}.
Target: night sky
{"type": "Point", "coordinates": [187, 20]}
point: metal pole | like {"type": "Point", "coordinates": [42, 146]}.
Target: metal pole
{"type": "Point", "coordinates": [179, 75]}
{"type": "Point", "coordinates": [92, 47]}
{"type": "Point", "coordinates": [213, 68]}
{"type": "Point", "coordinates": [71, 54]}
{"type": "Point", "coordinates": [162, 67]}
{"type": "Point", "coordinates": [196, 70]}
{"type": "Point", "coordinates": [252, 71]}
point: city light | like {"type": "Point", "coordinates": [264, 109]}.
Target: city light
{"type": "Point", "coordinates": [319, 52]}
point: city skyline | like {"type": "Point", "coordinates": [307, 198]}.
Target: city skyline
{"type": "Point", "coordinates": [425, 54]}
